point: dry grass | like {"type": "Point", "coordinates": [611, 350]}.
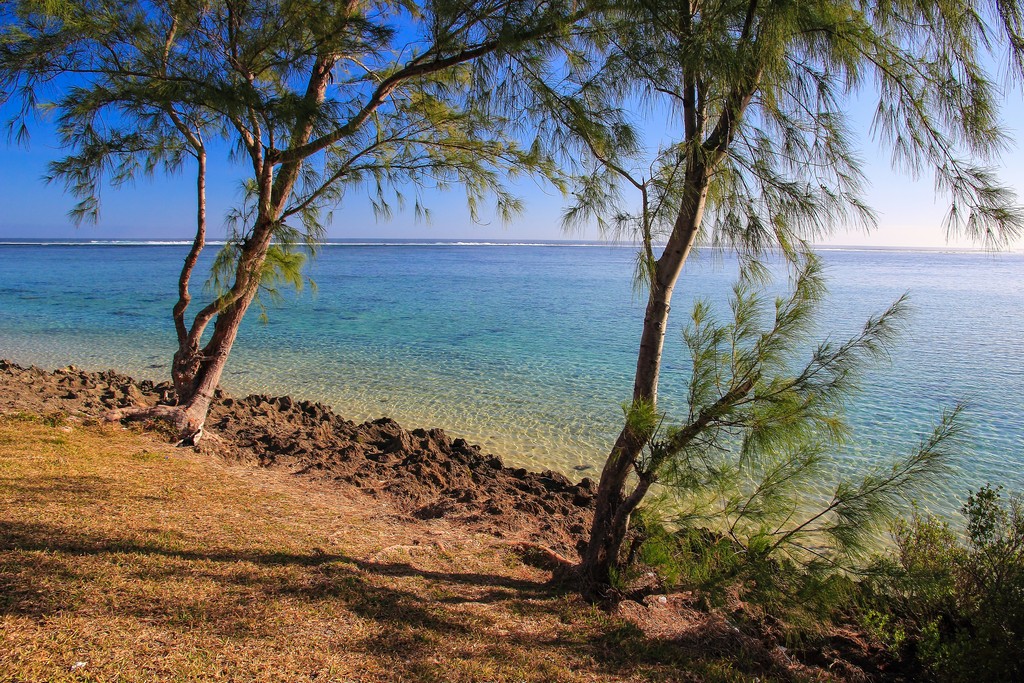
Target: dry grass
{"type": "Point", "coordinates": [123, 559]}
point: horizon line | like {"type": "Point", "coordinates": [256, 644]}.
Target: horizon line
{"type": "Point", "coordinates": [476, 241]}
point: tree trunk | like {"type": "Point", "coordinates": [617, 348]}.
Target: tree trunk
{"type": "Point", "coordinates": [196, 403]}
{"type": "Point", "coordinates": [185, 368]}
{"type": "Point", "coordinates": [198, 393]}
{"type": "Point", "coordinates": [611, 519]}
{"type": "Point", "coordinates": [187, 359]}
{"type": "Point", "coordinates": [613, 506]}
{"type": "Point", "coordinates": [602, 550]}
{"type": "Point", "coordinates": [196, 372]}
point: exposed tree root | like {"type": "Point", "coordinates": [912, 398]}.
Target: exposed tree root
{"type": "Point", "coordinates": [543, 557]}
{"type": "Point", "coordinates": [173, 414]}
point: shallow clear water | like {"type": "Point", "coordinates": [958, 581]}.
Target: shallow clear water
{"type": "Point", "coordinates": [529, 350]}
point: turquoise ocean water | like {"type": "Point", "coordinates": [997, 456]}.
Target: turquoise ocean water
{"type": "Point", "coordinates": [529, 349]}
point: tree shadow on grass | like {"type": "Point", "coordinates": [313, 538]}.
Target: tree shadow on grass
{"type": "Point", "coordinates": [36, 555]}
{"type": "Point", "coordinates": [421, 620]}
{"type": "Point", "coordinates": [52, 538]}
{"type": "Point", "coordinates": [504, 587]}
{"type": "Point", "coordinates": [65, 488]}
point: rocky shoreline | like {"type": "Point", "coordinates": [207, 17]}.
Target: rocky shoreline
{"type": "Point", "coordinates": [425, 473]}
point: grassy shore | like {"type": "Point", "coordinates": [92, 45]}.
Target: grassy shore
{"type": "Point", "coordinates": [124, 559]}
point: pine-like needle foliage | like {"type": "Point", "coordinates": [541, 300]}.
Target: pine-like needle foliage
{"type": "Point", "coordinates": [759, 155]}
{"type": "Point", "coordinates": [753, 457]}
{"type": "Point", "coordinates": [394, 114]}
{"type": "Point", "coordinates": [758, 97]}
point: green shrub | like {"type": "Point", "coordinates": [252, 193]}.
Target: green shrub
{"type": "Point", "coordinates": [951, 605]}
{"type": "Point", "coordinates": [956, 605]}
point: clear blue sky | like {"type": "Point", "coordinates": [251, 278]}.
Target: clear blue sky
{"type": "Point", "coordinates": [909, 212]}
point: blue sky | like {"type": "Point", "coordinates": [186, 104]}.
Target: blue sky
{"type": "Point", "coordinates": [909, 212]}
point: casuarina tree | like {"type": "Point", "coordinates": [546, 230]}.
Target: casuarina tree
{"type": "Point", "coordinates": [315, 99]}
{"type": "Point", "coordinates": [761, 155]}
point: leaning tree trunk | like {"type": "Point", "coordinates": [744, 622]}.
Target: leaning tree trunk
{"type": "Point", "coordinates": [197, 393]}
{"type": "Point", "coordinates": [201, 373]}
{"type": "Point", "coordinates": [188, 358]}
{"type": "Point", "coordinates": [196, 372]}
{"type": "Point", "coordinates": [195, 405]}
{"type": "Point", "coordinates": [613, 505]}
{"type": "Point", "coordinates": [611, 516]}
{"type": "Point", "coordinates": [197, 375]}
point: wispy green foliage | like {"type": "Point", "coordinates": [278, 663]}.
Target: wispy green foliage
{"type": "Point", "coordinates": [759, 97]}
{"type": "Point", "coordinates": [243, 69]}
{"type": "Point", "coordinates": [753, 458]}
{"type": "Point", "coordinates": [282, 267]}
{"type": "Point", "coordinates": [759, 156]}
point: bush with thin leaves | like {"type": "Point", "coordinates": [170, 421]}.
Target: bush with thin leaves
{"type": "Point", "coordinates": [955, 604]}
